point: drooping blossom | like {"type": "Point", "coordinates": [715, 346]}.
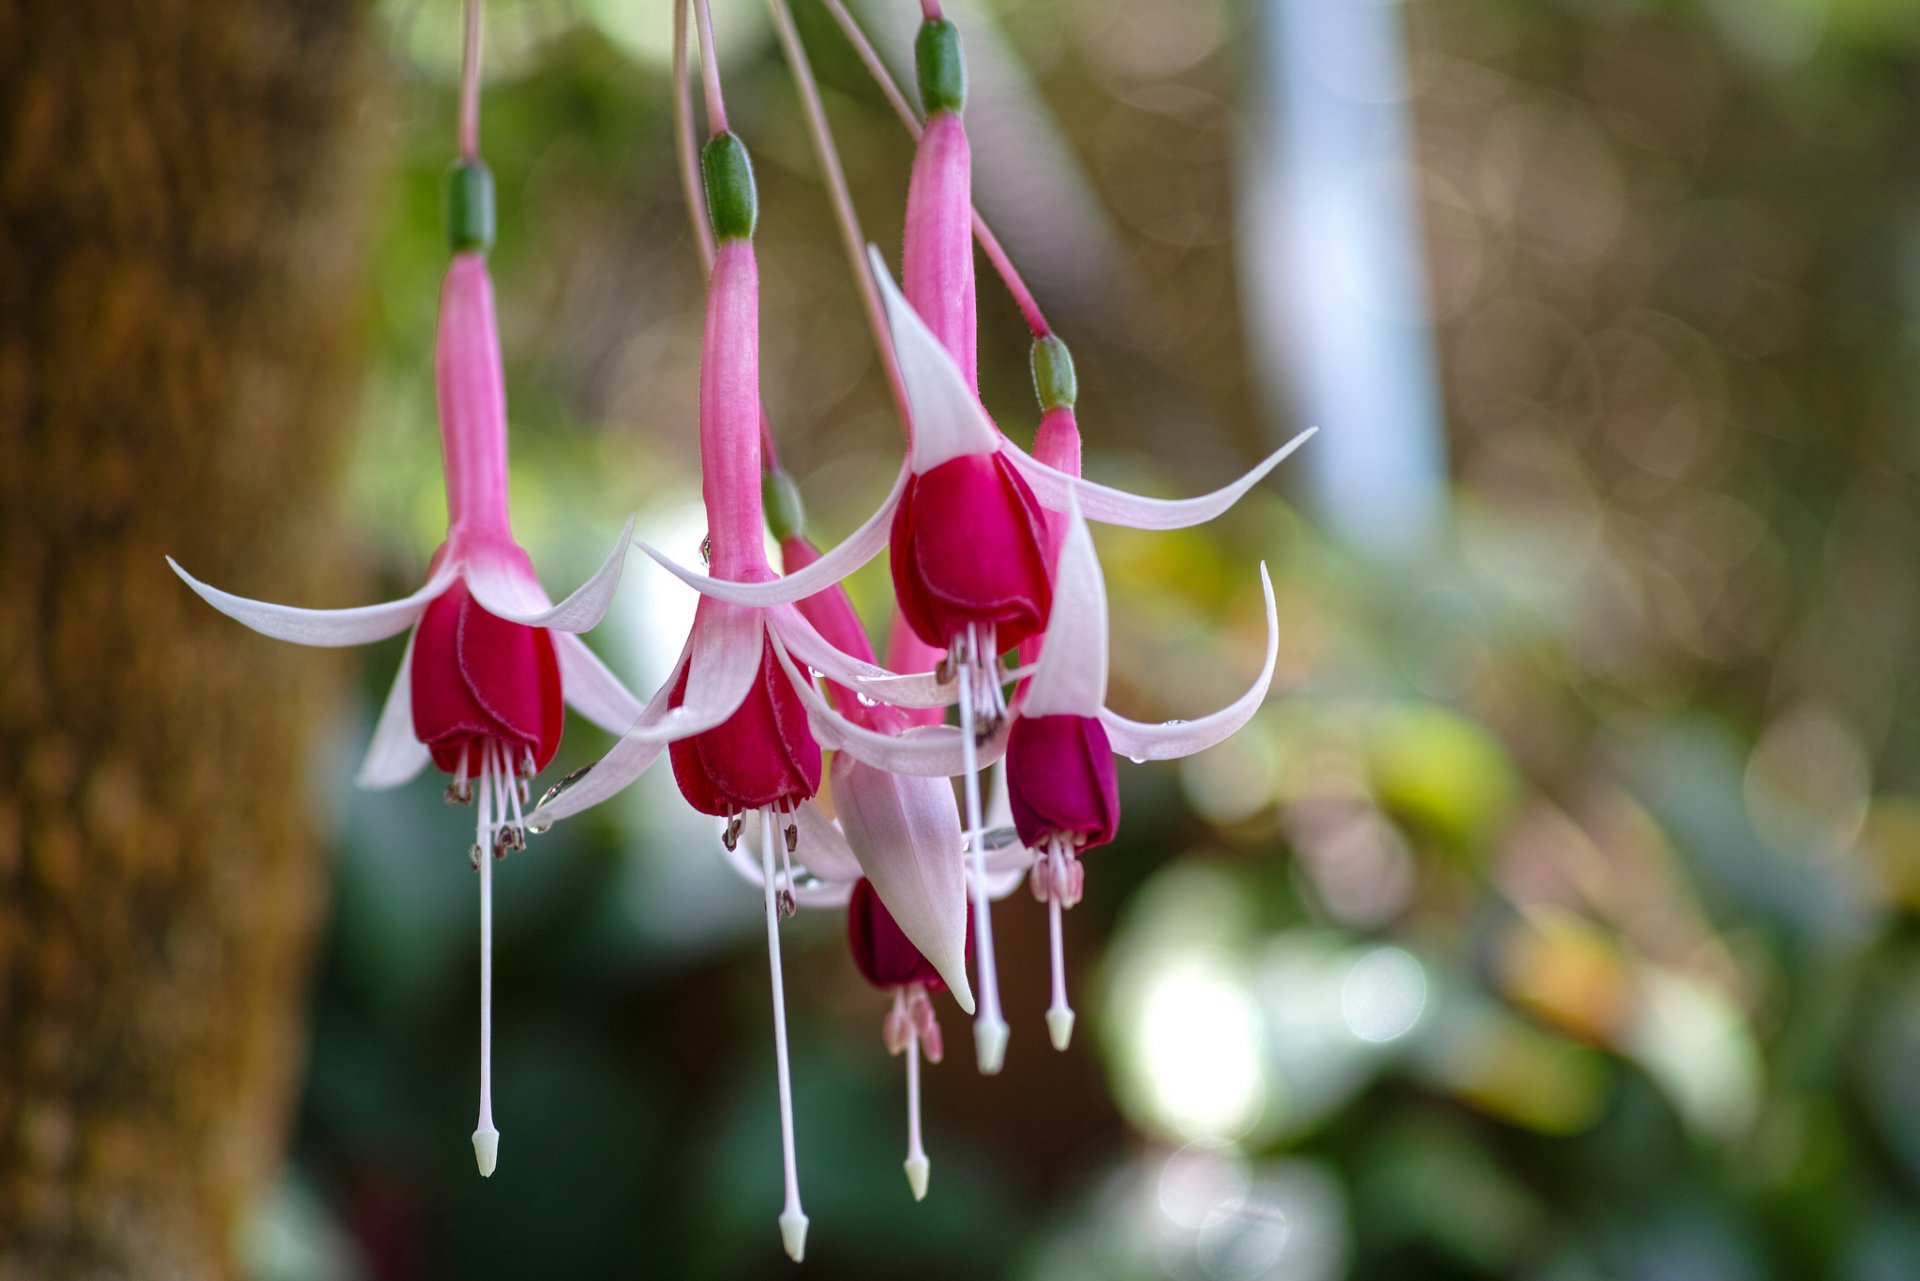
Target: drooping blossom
{"type": "Point", "coordinates": [1061, 786]}
{"type": "Point", "coordinates": [491, 661]}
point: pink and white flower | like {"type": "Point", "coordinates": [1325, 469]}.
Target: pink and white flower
{"type": "Point", "coordinates": [491, 658]}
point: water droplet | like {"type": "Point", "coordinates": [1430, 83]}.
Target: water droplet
{"type": "Point", "coordinates": [553, 793]}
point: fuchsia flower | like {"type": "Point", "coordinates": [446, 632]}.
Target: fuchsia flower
{"type": "Point", "coordinates": [1059, 767]}
{"type": "Point", "coordinates": [491, 660]}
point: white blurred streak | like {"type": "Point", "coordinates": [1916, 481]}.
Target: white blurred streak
{"type": "Point", "coordinates": [1335, 292]}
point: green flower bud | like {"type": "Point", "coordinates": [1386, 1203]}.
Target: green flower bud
{"type": "Point", "coordinates": [780, 497]}
{"type": "Point", "coordinates": [470, 217]}
{"type": "Point", "coordinates": [942, 67]}
{"type": "Point", "coordinates": [733, 205]}
{"type": "Point", "coordinates": [1053, 377]}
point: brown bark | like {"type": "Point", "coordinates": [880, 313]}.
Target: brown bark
{"type": "Point", "coordinates": [177, 241]}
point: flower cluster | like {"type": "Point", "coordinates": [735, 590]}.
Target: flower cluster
{"type": "Point", "coordinates": [832, 777]}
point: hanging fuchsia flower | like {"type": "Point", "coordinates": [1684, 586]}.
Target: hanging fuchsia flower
{"type": "Point", "coordinates": [1059, 766]}
{"type": "Point", "coordinates": [903, 829]}
{"type": "Point", "coordinates": [492, 661]}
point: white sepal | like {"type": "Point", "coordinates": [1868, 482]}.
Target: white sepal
{"type": "Point", "coordinates": [627, 760]}
{"type": "Point", "coordinates": [1143, 742]}
{"type": "Point", "coordinates": [506, 587]}
{"type": "Point", "coordinates": [906, 833]}
{"type": "Point", "coordinates": [591, 689]}
{"type": "Point", "coordinates": [723, 659]}
{"type": "Point", "coordinates": [948, 421]}
{"type": "Point", "coordinates": [1112, 506]}
{"type": "Point", "coordinates": [328, 628]}
{"type": "Point", "coordinates": [926, 751]}
{"type": "Point", "coordinates": [1071, 677]}
{"type": "Point", "coordinates": [395, 755]}
{"type": "Point", "coordinates": [814, 650]}
{"type": "Point", "coordinates": [861, 546]}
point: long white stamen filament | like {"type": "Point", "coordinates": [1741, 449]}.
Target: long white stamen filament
{"type": "Point", "coordinates": [1059, 1013]}
{"type": "Point", "coordinates": [916, 1163]}
{"type": "Point", "coordinates": [486, 1139]}
{"type": "Point", "coordinates": [793, 1222]}
{"type": "Point", "coordinates": [989, 1029]}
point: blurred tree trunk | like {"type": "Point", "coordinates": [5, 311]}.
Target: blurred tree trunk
{"type": "Point", "coordinates": [178, 254]}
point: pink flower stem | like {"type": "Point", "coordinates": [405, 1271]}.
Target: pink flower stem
{"type": "Point", "coordinates": [989, 243]}
{"type": "Point", "coordinates": [851, 238]}
{"type": "Point", "coordinates": [687, 146]}
{"type": "Point", "coordinates": [930, 10]}
{"type": "Point", "coordinates": [710, 71]}
{"type": "Point", "coordinates": [470, 83]}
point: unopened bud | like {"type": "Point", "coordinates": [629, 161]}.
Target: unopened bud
{"type": "Point", "coordinates": [1053, 377]}
{"type": "Point", "coordinates": [733, 205]}
{"type": "Point", "coordinates": [780, 497]}
{"type": "Point", "coordinates": [470, 216]}
{"type": "Point", "coordinates": [942, 67]}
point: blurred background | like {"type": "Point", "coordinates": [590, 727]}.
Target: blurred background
{"type": "Point", "coordinates": [1556, 918]}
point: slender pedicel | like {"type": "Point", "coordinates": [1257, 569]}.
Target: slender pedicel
{"type": "Point", "coordinates": [890, 89]}
{"type": "Point", "coordinates": [793, 1221]}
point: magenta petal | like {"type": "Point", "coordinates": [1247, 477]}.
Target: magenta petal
{"type": "Point", "coordinates": [762, 755]}
{"type": "Point", "coordinates": [480, 677]}
{"type": "Point", "coordinates": [1061, 782]}
{"type": "Point", "coordinates": [881, 952]}
{"type": "Point", "coordinates": [968, 548]}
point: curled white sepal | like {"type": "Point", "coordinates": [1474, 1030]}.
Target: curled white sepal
{"type": "Point", "coordinates": [504, 584]}
{"type": "Point", "coordinates": [1071, 677]}
{"type": "Point", "coordinates": [814, 650]}
{"type": "Point", "coordinates": [625, 761]}
{"type": "Point", "coordinates": [395, 755]}
{"type": "Point", "coordinates": [906, 833]}
{"type": "Point", "coordinates": [925, 751]}
{"type": "Point", "coordinates": [329, 628]}
{"type": "Point", "coordinates": [1144, 742]}
{"type": "Point", "coordinates": [723, 658]}
{"type": "Point", "coordinates": [924, 689]}
{"type": "Point", "coordinates": [1112, 506]}
{"type": "Point", "coordinates": [590, 688]}
{"type": "Point", "coordinates": [861, 546]}
{"type": "Point", "coordinates": [948, 420]}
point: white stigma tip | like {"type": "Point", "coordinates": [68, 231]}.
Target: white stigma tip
{"type": "Point", "coordinates": [990, 1045]}
{"type": "Point", "coordinates": [917, 1167]}
{"type": "Point", "coordinates": [793, 1234]}
{"type": "Point", "coordinates": [486, 1150]}
{"type": "Point", "coordinates": [1060, 1027]}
